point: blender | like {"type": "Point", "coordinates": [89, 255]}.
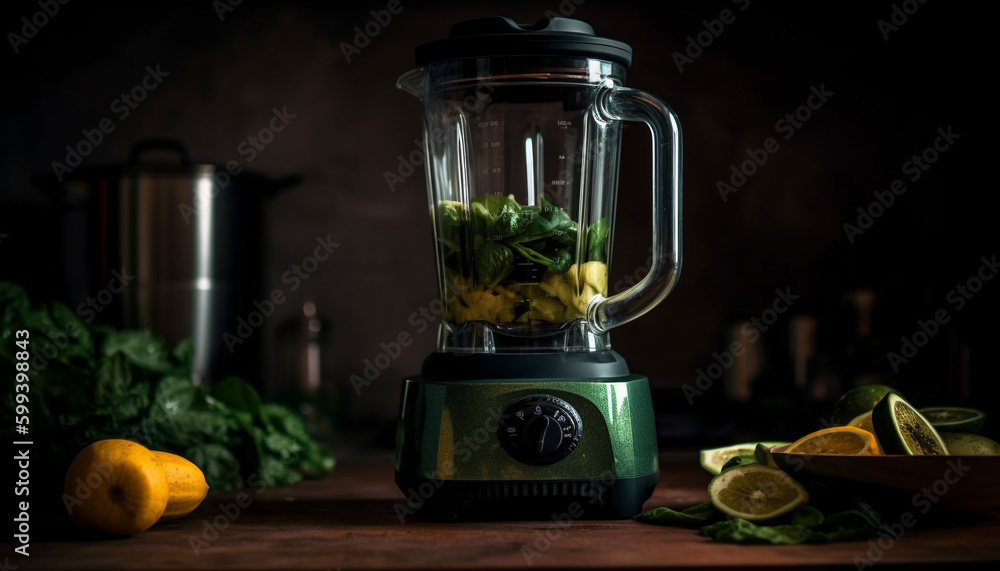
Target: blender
{"type": "Point", "coordinates": [524, 410]}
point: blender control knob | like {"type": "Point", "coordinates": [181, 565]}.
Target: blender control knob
{"type": "Point", "coordinates": [539, 429]}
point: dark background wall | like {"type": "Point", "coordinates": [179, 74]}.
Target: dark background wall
{"type": "Point", "coordinates": [889, 95]}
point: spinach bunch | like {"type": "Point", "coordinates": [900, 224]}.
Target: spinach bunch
{"type": "Point", "coordinates": [91, 382]}
{"type": "Point", "coordinates": [499, 233]}
{"type": "Point", "coordinates": [851, 521]}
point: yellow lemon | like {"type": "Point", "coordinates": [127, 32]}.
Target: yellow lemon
{"type": "Point", "coordinates": [117, 487]}
{"type": "Point", "coordinates": [186, 483]}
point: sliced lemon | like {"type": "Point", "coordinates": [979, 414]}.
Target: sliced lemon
{"type": "Point", "coordinates": [713, 459]}
{"type": "Point", "coordinates": [901, 429]}
{"type": "Point", "coordinates": [836, 440]}
{"type": "Point", "coordinates": [955, 419]}
{"type": "Point", "coordinates": [755, 493]}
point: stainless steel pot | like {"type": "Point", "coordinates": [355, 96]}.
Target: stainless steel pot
{"type": "Point", "coordinates": [173, 246]}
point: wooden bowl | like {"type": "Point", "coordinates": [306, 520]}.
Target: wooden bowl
{"type": "Point", "coordinates": [964, 484]}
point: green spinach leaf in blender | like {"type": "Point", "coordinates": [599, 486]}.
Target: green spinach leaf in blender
{"type": "Point", "coordinates": [597, 241]}
{"type": "Point", "coordinates": [496, 217]}
{"type": "Point", "coordinates": [453, 233]}
{"type": "Point", "coordinates": [494, 262]}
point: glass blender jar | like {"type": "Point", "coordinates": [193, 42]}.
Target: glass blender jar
{"type": "Point", "coordinates": [524, 407]}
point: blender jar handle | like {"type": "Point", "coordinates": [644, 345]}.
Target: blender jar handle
{"type": "Point", "coordinates": [615, 103]}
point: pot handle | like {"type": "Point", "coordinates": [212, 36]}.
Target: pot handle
{"type": "Point", "coordinates": [147, 145]}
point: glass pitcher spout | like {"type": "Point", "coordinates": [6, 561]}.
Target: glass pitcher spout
{"type": "Point", "coordinates": [413, 82]}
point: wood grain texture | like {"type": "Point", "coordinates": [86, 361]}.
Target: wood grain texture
{"type": "Point", "coordinates": [348, 521]}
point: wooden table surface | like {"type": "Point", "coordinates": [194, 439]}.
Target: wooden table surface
{"type": "Point", "coordinates": [349, 521]}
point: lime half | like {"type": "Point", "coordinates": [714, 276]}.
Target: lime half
{"type": "Point", "coordinates": [858, 401]}
{"type": "Point", "coordinates": [755, 493]}
{"type": "Point", "coordinates": [955, 419]}
{"type": "Point", "coordinates": [713, 459]}
{"type": "Point", "coordinates": [961, 444]}
{"type": "Point", "coordinates": [901, 429]}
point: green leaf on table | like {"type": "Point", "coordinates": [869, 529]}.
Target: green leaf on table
{"type": "Point", "coordinates": [693, 516]}
{"type": "Point", "coordinates": [220, 466]}
{"type": "Point", "coordinates": [287, 420]}
{"type": "Point", "coordinates": [807, 516]}
{"type": "Point", "coordinates": [113, 378]}
{"type": "Point", "coordinates": [739, 530]}
{"type": "Point", "coordinates": [282, 445]}
{"type": "Point", "coordinates": [116, 390]}
{"type": "Point", "coordinates": [176, 394]}
{"type": "Point", "coordinates": [806, 525]}
{"type": "Point", "coordinates": [183, 355]}
{"type": "Point", "coordinates": [275, 471]}
{"type": "Point", "coordinates": [241, 398]}
{"type": "Point", "coordinates": [142, 348]}
{"type": "Point", "coordinates": [91, 382]}
{"type": "Point", "coordinates": [76, 330]}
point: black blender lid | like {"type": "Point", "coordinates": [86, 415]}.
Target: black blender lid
{"type": "Point", "coordinates": [498, 36]}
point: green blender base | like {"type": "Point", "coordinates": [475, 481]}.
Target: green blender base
{"type": "Point", "coordinates": [526, 444]}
